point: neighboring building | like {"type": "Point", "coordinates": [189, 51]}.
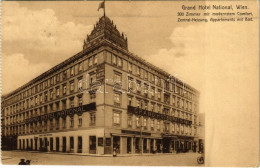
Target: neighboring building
{"type": "Point", "coordinates": [201, 127]}
{"type": "Point", "coordinates": [65, 110]}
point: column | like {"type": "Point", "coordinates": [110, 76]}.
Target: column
{"type": "Point", "coordinates": [67, 143]}
{"type": "Point", "coordinates": [54, 144]}
{"type": "Point", "coordinates": [154, 144]}
{"type": "Point", "coordinates": [121, 145]}
{"type": "Point", "coordinates": [75, 144]}
{"type": "Point", "coordinates": [33, 144]}
{"type": "Point", "coordinates": [142, 144]}
{"type": "Point", "coordinates": [48, 144]}
{"type": "Point", "coordinates": [60, 147]}
{"type": "Point", "coordinates": [38, 144]}
{"type": "Point", "coordinates": [85, 144]}
{"type": "Point", "coordinates": [18, 141]}
{"type": "Point", "coordinates": [148, 145]}
{"type": "Point", "coordinates": [132, 145]}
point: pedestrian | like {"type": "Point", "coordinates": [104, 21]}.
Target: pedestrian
{"type": "Point", "coordinates": [22, 162]}
{"type": "Point", "coordinates": [114, 152]}
{"type": "Point", "coordinates": [28, 162]}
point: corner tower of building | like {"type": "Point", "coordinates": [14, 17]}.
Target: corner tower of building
{"type": "Point", "coordinates": [105, 30]}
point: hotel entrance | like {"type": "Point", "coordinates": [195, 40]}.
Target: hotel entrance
{"type": "Point", "coordinates": [166, 145]}
{"type": "Point", "coordinates": [116, 143]}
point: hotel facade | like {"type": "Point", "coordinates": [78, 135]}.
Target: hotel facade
{"type": "Point", "coordinates": [104, 98]}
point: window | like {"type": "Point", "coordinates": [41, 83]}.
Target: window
{"type": "Point", "coordinates": [178, 102]}
{"type": "Point", "coordinates": [80, 67]}
{"type": "Point", "coordinates": [173, 128]}
{"type": "Point", "coordinates": [95, 59]}
{"type": "Point", "coordinates": [92, 118]}
{"type": "Point", "coordinates": [36, 99]}
{"type": "Point", "coordinates": [129, 67]}
{"type": "Point", "coordinates": [138, 85]}
{"type": "Point", "coordinates": [173, 100]}
{"type": "Point", "coordinates": [129, 120]}
{"type": "Point", "coordinates": [117, 77]}
{"type": "Point", "coordinates": [152, 106]}
{"type": "Point", "coordinates": [138, 124]}
{"type": "Point", "coordinates": [137, 103]}
{"type": "Point", "coordinates": [166, 127]}
{"type": "Point", "coordinates": [117, 99]}
{"type": "Point", "coordinates": [64, 104]}
{"type": "Point", "coordinates": [152, 92]}
{"type": "Point", "coordinates": [159, 94]}
{"type": "Point", "coordinates": [80, 85]}
{"type": "Point", "coordinates": [51, 107]}
{"type": "Point", "coordinates": [90, 61]}
{"type": "Point", "coordinates": [138, 71]}
{"type": "Point", "coordinates": [130, 99]}
{"type": "Point", "coordinates": [58, 78]}
{"type": "Point", "coordinates": [158, 125]}
{"type": "Point", "coordinates": [116, 118]}
{"type": "Point", "coordinates": [45, 97]}
{"type": "Point", "coordinates": [166, 98]}
{"type": "Point", "coordinates": [57, 123]}
{"type": "Point", "coordinates": [120, 63]}
{"type": "Point", "coordinates": [145, 105]}
{"type": "Point", "coordinates": [182, 103]}
{"type": "Point", "coordinates": [159, 108]}
{"type": "Point", "coordinates": [51, 124]}
{"type": "Point", "coordinates": [145, 123]}
{"type": "Point", "coordinates": [63, 122]}
{"type": "Point", "coordinates": [152, 124]}
{"type": "Point", "coordinates": [64, 75]}
{"type": "Point", "coordinates": [80, 121]}
{"type": "Point", "coordinates": [57, 105]}
{"type": "Point", "coordinates": [64, 89]}
{"type": "Point", "coordinates": [58, 91]}
{"type": "Point", "coordinates": [92, 97]}
{"type": "Point", "coordinates": [72, 71]}
{"type": "Point", "coordinates": [114, 59]}
{"type": "Point", "coordinates": [51, 94]}
{"type": "Point", "coordinates": [72, 102]}
{"type": "Point", "coordinates": [71, 122]}
{"type": "Point", "coordinates": [92, 78]}
{"type": "Point", "coordinates": [130, 84]}
{"type": "Point", "coordinates": [71, 86]}
{"type": "Point", "coordinates": [52, 80]}
{"type": "Point", "coordinates": [145, 75]}
{"type": "Point", "coordinates": [80, 101]}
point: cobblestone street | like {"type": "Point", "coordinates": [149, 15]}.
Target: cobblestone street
{"type": "Point", "coordinates": [182, 159]}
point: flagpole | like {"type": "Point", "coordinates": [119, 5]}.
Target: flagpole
{"type": "Point", "coordinates": [104, 8]}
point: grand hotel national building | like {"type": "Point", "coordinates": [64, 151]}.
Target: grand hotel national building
{"type": "Point", "coordinates": [102, 99]}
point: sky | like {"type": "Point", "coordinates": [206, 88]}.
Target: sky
{"type": "Point", "coordinates": [219, 59]}
{"type": "Point", "coordinates": [39, 35]}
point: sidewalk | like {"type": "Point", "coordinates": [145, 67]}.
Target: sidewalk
{"type": "Point", "coordinates": [102, 155]}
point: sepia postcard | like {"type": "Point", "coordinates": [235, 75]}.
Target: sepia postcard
{"type": "Point", "coordinates": [130, 83]}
